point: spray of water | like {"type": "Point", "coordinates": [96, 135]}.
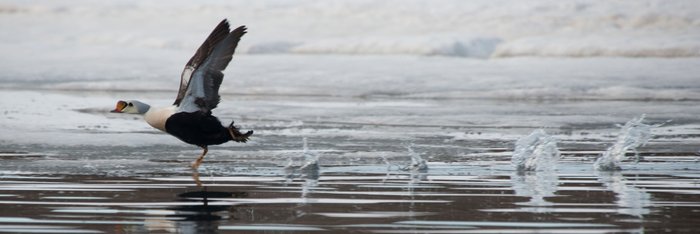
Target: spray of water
{"type": "Point", "coordinates": [630, 199]}
{"type": "Point", "coordinates": [310, 158]}
{"type": "Point", "coordinates": [309, 167]}
{"type": "Point", "coordinates": [537, 185]}
{"type": "Point", "coordinates": [309, 170]}
{"type": "Point", "coordinates": [417, 162]}
{"type": "Point", "coordinates": [632, 135]}
{"type": "Point", "coordinates": [536, 152]}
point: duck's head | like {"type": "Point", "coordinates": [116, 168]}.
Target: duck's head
{"type": "Point", "coordinates": [131, 107]}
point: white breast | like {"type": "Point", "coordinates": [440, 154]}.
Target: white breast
{"type": "Point", "coordinates": [156, 117]}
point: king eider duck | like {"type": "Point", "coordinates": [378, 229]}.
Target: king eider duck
{"type": "Point", "coordinates": [190, 118]}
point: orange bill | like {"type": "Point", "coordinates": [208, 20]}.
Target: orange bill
{"type": "Point", "coordinates": [120, 107]}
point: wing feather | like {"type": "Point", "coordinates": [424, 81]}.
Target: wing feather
{"type": "Point", "coordinates": [217, 35]}
{"type": "Point", "coordinates": [202, 93]}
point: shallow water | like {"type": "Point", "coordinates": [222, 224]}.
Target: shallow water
{"type": "Point", "coordinates": [447, 198]}
{"type": "Point", "coordinates": [366, 178]}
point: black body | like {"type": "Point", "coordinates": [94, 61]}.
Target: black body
{"type": "Point", "coordinates": [202, 129]}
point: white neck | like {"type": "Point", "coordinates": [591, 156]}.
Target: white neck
{"type": "Point", "coordinates": [156, 117]}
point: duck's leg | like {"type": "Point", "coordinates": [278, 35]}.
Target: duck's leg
{"type": "Point", "coordinates": [195, 177]}
{"type": "Point", "coordinates": [196, 163]}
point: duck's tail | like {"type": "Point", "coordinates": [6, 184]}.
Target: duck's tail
{"type": "Point", "coordinates": [236, 135]}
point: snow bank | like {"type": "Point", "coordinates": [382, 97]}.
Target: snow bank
{"type": "Point", "coordinates": [302, 47]}
{"type": "Point", "coordinates": [477, 29]}
{"type": "Point", "coordinates": [476, 47]}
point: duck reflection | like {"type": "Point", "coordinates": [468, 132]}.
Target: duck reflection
{"type": "Point", "coordinates": [202, 216]}
{"type": "Point", "coordinates": [205, 211]}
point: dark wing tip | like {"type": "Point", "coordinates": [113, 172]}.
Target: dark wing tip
{"type": "Point", "coordinates": [240, 30]}
{"type": "Point", "coordinates": [224, 23]}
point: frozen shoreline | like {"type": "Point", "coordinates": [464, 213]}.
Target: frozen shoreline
{"type": "Point", "coordinates": [380, 76]}
{"type": "Point", "coordinates": [75, 118]}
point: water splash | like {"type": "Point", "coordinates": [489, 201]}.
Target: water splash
{"type": "Point", "coordinates": [386, 162]}
{"type": "Point", "coordinates": [630, 199]}
{"type": "Point", "coordinates": [308, 171]}
{"type": "Point", "coordinates": [536, 152]}
{"type": "Point", "coordinates": [310, 158]}
{"type": "Point", "coordinates": [309, 167]}
{"type": "Point", "coordinates": [632, 135]}
{"type": "Point", "coordinates": [417, 162]}
{"type": "Point", "coordinates": [537, 186]}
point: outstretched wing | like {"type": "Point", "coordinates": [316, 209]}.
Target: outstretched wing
{"type": "Point", "coordinates": [202, 92]}
{"type": "Point", "coordinates": [219, 33]}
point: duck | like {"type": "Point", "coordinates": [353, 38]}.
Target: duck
{"type": "Point", "coordinates": [190, 117]}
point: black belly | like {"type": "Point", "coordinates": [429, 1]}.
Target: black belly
{"type": "Point", "coordinates": [197, 128]}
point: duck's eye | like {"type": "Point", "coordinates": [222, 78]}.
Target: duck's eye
{"type": "Point", "coordinates": [131, 104]}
